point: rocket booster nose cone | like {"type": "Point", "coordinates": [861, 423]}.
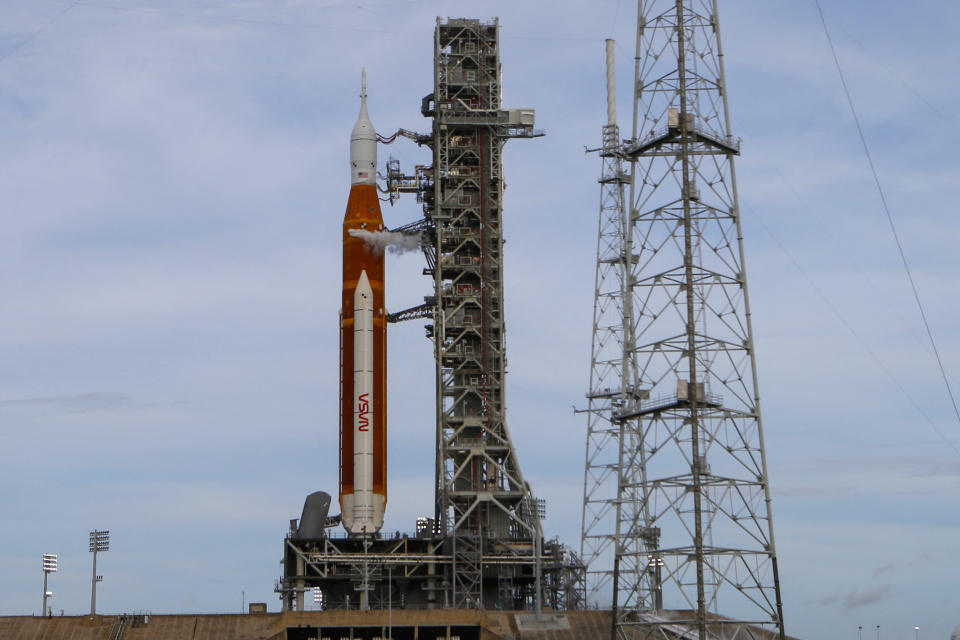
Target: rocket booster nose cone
{"type": "Point", "coordinates": [363, 144]}
{"type": "Point", "coordinates": [363, 285]}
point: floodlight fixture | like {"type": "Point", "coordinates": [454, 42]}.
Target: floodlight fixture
{"type": "Point", "coordinates": [49, 563]}
{"type": "Point", "coordinates": [317, 596]}
{"type": "Point", "coordinates": [99, 542]}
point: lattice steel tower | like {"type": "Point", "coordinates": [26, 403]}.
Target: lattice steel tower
{"type": "Point", "coordinates": [482, 499]}
{"type": "Point", "coordinates": [613, 364]}
{"type": "Point", "coordinates": [676, 479]}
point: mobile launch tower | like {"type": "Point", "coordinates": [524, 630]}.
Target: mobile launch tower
{"type": "Point", "coordinates": [483, 548]}
{"type": "Point", "coordinates": [677, 525]}
{"type": "Point", "coordinates": [482, 499]}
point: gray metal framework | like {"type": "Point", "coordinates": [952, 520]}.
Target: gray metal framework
{"type": "Point", "coordinates": [613, 364]}
{"type": "Point", "coordinates": [481, 497]}
{"type": "Point", "coordinates": [691, 523]}
{"type": "Point", "coordinates": [413, 572]}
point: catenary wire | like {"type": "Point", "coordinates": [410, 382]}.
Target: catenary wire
{"type": "Point", "coordinates": [849, 327]}
{"type": "Point", "coordinates": [893, 73]}
{"type": "Point", "coordinates": [886, 209]}
{"type": "Point", "coordinates": [36, 33]}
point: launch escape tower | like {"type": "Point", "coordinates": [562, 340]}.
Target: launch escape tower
{"type": "Point", "coordinates": [484, 547]}
{"type": "Point", "coordinates": [676, 514]}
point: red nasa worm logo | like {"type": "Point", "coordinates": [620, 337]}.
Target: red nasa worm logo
{"type": "Point", "coordinates": [363, 411]}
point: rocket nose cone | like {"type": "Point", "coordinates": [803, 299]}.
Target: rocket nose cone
{"type": "Point", "coordinates": [363, 282]}
{"type": "Point", "coordinates": [363, 294]}
{"type": "Point", "coordinates": [363, 144]}
{"type": "Point", "coordinates": [363, 129]}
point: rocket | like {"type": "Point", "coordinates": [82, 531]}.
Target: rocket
{"type": "Point", "coordinates": [363, 343]}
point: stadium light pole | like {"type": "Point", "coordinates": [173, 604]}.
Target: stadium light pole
{"type": "Point", "coordinates": [49, 566]}
{"type": "Point", "coordinates": [99, 541]}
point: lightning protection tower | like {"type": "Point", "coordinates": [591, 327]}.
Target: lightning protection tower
{"type": "Point", "coordinates": [674, 423]}
{"type": "Point", "coordinates": [613, 364]}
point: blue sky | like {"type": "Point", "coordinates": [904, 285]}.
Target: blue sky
{"type": "Point", "coordinates": [173, 178]}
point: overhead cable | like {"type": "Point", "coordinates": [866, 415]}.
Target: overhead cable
{"type": "Point", "coordinates": [886, 209]}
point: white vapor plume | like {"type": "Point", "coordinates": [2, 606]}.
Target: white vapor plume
{"type": "Point", "coordinates": [392, 241]}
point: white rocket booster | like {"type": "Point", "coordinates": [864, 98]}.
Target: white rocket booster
{"type": "Point", "coordinates": [368, 507]}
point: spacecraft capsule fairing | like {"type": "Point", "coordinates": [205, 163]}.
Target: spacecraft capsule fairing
{"type": "Point", "coordinates": [363, 344]}
{"type": "Point", "coordinates": [363, 144]}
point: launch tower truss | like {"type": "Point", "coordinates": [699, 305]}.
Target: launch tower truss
{"type": "Point", "coordinates": [481, 497]}
{"type": "Point", "coordinates": [676, 486]}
